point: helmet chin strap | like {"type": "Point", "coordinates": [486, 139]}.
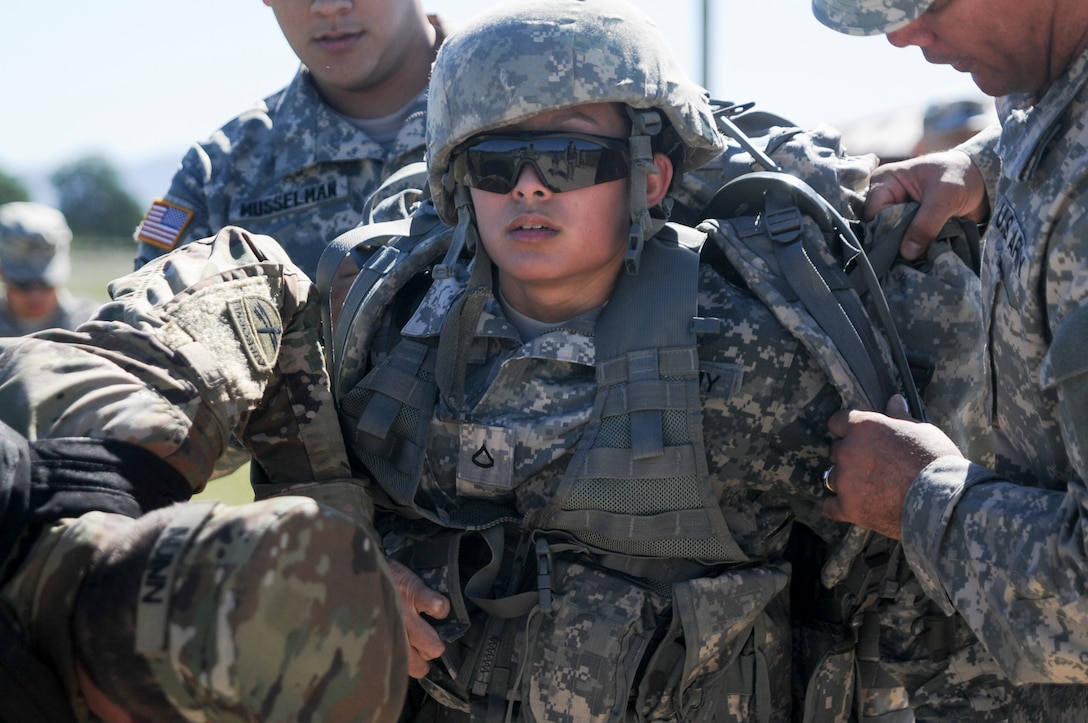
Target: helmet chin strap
{"type": "Point", "coordinates": [644, 124]}
{"type": "Point", "coordinates": [459, 327]}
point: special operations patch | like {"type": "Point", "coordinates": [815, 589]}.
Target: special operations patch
{"type": "Point", "coordinates": [259, 329]}
{"type": "Point", "coordinates": [163, 224]}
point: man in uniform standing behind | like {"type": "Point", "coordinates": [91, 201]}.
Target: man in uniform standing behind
{"type": "Point", "coordinates": [300, 165]}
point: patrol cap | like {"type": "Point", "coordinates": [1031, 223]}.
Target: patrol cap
{"type": "Point", "coordinates": [34, 241]}
{"type": "Point", "coordinates": [868, 17]}
{"type": "Point", "coordinates": [279, 610]}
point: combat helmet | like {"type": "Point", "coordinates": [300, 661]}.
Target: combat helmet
{"type": "Point", "coordinates": [526, 57]}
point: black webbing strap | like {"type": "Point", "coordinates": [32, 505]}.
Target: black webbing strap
{"type": "Point", "coordinates": [838, 311]}
{"type": "Point", "coordinates": [31, 690]}
{"type": "Point", "coordinates": [748, 195]}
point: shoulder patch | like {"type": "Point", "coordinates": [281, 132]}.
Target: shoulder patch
{"type": "Point", "coordinates": [163, 224]}
{"type": "Point", "coordinates": [259, 328]}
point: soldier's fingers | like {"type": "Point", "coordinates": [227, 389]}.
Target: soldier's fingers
{"type": "Point", "coordinates": [832, 507]}
{"type": "Point", "coordinates": [433, 603]}
{"type": "Point", "coordinates": [927, 223]}
{"type": "Point", "coordinates": [838, 424]}
{"type": "Point", "coordinates": [422, 637]}
{"type": "Point", "coordinates": [897, 407]}
{"type": "Point", "coordinates": [418, 666]}
{"type": "Point", "coordinates": [884, 194]}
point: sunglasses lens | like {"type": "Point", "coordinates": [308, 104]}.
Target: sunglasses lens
{"type": "Point", "coordinates": [563, 162]}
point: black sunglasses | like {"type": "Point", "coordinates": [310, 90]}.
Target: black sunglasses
{"type": "Point", "coordinates": [562, 161]}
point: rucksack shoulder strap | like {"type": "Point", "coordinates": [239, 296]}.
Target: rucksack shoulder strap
{"type": "Point", "coordinates": [792, 266]}
{"type": "Point", "coordinates": [388, 254]}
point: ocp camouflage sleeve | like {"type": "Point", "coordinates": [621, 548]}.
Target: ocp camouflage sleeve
{"type": "Point", "coordinates": [217, 340]}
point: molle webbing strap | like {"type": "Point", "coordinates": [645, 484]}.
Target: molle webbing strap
{"type": "Point", "coordinates": [394, 386]}
{"type": "Point", "coordinates": [671, 281]}
{"type": "Point", "coordinates": [647, 371]}
{"type": "Point", "coordinates": [830, 299]}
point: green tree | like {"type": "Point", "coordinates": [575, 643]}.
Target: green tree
{"type": "Point", "coordinates": [90, 195]}
{"type": "Point", "coordinates": [12, 189]}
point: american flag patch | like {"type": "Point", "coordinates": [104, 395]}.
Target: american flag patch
{"type": "Point", "coordinates": [163, 224]}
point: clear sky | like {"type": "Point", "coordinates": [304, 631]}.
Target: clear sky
{"type": "Point", "coordinates": [141, 80]}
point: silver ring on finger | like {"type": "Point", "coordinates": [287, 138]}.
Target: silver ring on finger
{"type": "Point", "coordinates": [827, 480]}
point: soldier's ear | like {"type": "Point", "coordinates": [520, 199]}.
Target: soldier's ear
{"type": "Point", "coordinates": [657, 184]}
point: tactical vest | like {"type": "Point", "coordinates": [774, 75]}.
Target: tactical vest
{"type": "Point", "coordinates": [543, 572]}
{"type": "Point", "coordinates": [44, 481]}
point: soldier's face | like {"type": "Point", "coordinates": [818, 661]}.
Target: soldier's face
{"type": "Point", "coordinates": [31, 302]}
{"type": "Point", "coordinates": [1008, 46]}
{"type": "Point", "coordinates": [354, 45]}
{"type": "Point", "coordinates": [559, 253]}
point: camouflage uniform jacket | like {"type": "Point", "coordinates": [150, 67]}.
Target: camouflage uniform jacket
{"type": "Point", "coordinates": [71, 312]}
{"type": "Point", "coordinates": [38, 599]}
{"type": "Point", "coordinates": [1004, 546]}
{"type": "Point", "coordinates": [291, 168]}
{"type": "Point", "coordinates": [218, 340]}
{"type": "Point", "coordinates": [530, 405]}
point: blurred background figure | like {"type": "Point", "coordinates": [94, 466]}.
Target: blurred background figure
{"type": "Point", "coordinates": [946, 125]}
{"type": "Point", "coordinates": [905, 132]}
{"type": "Point", "coordinates": [35, 267]}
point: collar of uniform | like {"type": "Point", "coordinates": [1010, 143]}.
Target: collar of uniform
{"type": "Point", "coordinates": [429, 317]}
{"type": "Point", "coordinates": [307, 131]}
{"type": "Point", "coordinates": [1028, 129]}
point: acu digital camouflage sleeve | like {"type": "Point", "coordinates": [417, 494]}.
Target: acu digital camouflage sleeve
{"type": "Point", "coordinates": [1006, 547]}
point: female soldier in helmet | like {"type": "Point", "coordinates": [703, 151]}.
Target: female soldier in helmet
{"type": "Point", "coordinates": [586, 447]}
{"type": "Point", "coordinates": [568, 544]}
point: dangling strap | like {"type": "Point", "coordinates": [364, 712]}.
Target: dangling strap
{"type": "Point", "coordinates": [831, 302]}
{"type": "Point", "coordinates": [643, 125]}
{"type": "Point", "coordinates": [459, 328]}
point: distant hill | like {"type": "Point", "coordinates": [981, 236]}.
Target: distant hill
{"type": "Point", "coordinates": [146, 180]}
